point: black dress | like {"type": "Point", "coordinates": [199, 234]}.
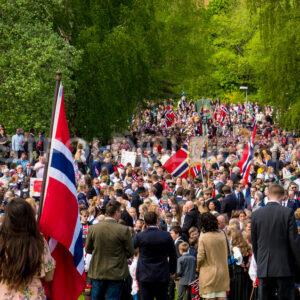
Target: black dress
{"type": "Point", "coordinates": [240, 284]}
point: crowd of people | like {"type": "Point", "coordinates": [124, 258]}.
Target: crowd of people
{"type": "Point", "coordinates": [148, 234]}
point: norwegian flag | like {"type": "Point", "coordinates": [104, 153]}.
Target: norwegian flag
{"type": "Point", "coordinates": [169, 115]}
{"type": "Point", "coordinates": [96, 171]}
{"type": "Point", "coordinates": [60, 220]}
{"type": "Point", "coordinates": [177, 164]}
{"type": "Point", "coordinates": [195, 288]}
{"type": "Point", "coordinates": [134, 176]}
{"type": "Point", "coordinates": [217, 109]}
{"type": "Point", "coordinates": [245, 162]}
{"type": "Point", "coordinates": [224, 115]}
{"type": "Point", "coordinates": [195, 170]}
{"type": "Point", "coordinates": [119, 165]}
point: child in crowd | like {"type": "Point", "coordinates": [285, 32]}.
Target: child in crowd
{"type": "Point", "coordinates": [193, 246]}
{"type": "Point", "coordinates": [132, 271]}
{"type": "Point", "coordinates": [168, 220]}
{"type": "Point", "coordinates": [186, 269]}
{"type": "Point", "coordinates": [84, 215]}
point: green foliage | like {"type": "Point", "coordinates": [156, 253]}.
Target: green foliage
{"type": "Point", "coordinates": [280, 81]}
{"type": "Point", "coordinates": [132, 51]}
{"type": "Point", "coordinates": [31, 52]}
{"type": "Point", "coordinates": [116, 55]}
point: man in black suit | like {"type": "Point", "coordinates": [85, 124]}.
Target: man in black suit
{"type": "Point", "coordinates": [137, 200]}
{"type": "Point", "coordinates": [276, 247]}
{"type": "Point", "coordinates": [191, 219]}
{"type": "Point", "coordinates": [159, 187]}
{"type": "Point", "coordinates": [229, 203]}
{"type": "Point", "coordinates": [94, 190]}
{"type": "Point", "coordinates": [240, 200]}
{"type": "Point", "coordinates": [221, 184]}
{"type": "Point", "coordinates": [157, 260]}
{"type": "Point", "coordinates": [235, 177]}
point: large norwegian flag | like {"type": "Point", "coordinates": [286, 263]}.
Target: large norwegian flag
{"type": "Point", "coordinates": [60, 220]}
{"type": "Point", "coordinates": [246, 159]}
{"type": "Point", "coordinates": [177, 164]}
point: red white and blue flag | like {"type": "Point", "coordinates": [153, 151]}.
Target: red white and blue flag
{"type": "Point", "coordinates": [60, 220]}
{"type": "Point", "coordinates": [224, 115]}
{"type": "Point", "coordinates": [177, 164]}
{"type": "Point", "coordinates": [246, 159]}
{"type": "Point", "coordinates": [169, 115]}
{"type": "Point", "coordinates": [195, 170]}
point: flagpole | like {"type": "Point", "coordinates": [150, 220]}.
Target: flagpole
{"type": "Point", "coordinates": [58, 80]}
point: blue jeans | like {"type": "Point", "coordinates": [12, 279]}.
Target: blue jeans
{"type": "Point", "coordinates": [135, 297]}
{"type": "Point", "coordinates": [107, 289]}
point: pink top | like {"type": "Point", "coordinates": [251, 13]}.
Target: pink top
{"type": "Point", "coordinates": [34, 290]}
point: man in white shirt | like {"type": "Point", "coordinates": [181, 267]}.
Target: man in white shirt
{"type": "Point", "coordinates": [39, 167]}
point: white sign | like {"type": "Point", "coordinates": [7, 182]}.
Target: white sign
{"type": "Point", "coordinates": [196, 146]}
{"type": "Point", "coordinates": [128, 157]}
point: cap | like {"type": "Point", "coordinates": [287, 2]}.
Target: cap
{"type": "Point", "coordinates": [260, 176]}
{"type": "Point", "coordinates": [171, 184]}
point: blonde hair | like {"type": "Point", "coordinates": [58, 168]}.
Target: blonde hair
{"type": "Point", "coordinates": [148, 202]}
{"type": "Point", "coordinates": [297, 214]}
{"type": "Point", "coordinates": [184, 247]}
{"type": "Point", "coordinates": [237, 240]}
{"type": "Point", "coordinates": [31, 201]}
{"type": "Point", "coordinates": [153, 208]}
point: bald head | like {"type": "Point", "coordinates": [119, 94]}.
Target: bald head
{"type": "Point", "coordinates": [189, 205]}
{"type": "Point", "coordinates": [221, 222]}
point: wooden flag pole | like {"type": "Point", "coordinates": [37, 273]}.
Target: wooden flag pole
{"type": "Point", "coordinates": [57, 85]}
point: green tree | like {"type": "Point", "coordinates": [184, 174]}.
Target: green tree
{"type": "Point", "coordinates": [30, 54]}
{"type": "Point", "coordinates": [279, 80]}
{"type": "Point", "coordinates": [133, 51]}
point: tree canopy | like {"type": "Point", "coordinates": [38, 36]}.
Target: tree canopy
{"type": "Point", "coordinates": [115, 55]}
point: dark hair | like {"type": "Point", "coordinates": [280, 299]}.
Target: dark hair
{"type": "Point", "coordinates": [193, 242]}
{"type": "Point", "coordinates": [177, 229]}
{"type": "Point", "coordinates": [111, 208]}
{"type": "Point", "coordinates": [150, 218]}
{"type": "Point", "coordinates": [208, 222]}
{"type": "Point", "coordinates": [179, 191]}
{"type": "Point", "coordinates": [21, 245]}
{"type": "Point", "coordinates": [226, 189]}
{"type": "Point", "coordinates": [186, 192]}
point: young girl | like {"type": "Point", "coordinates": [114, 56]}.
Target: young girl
{"type": "Point", "coordinates": [132, 270]}
{"type": "Point", "coordinates": [242, 286]}
{"type": "Point", "coordinates": [84, 215]}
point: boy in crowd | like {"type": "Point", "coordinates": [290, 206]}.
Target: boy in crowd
{"type": "Point", "coordinates": [186, 269]}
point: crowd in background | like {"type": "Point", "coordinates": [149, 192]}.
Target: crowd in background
{"type": "Point", "coordinates": [217, 202]}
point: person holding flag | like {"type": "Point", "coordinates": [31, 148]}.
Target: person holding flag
{"type": "Point", "coordinates": [245, 162]}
